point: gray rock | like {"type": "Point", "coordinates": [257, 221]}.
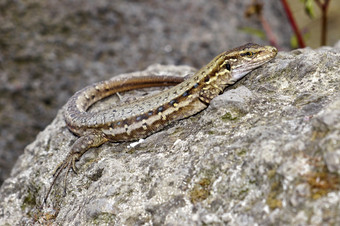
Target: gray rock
{"type": "Point", "coordinates": [265, 152]}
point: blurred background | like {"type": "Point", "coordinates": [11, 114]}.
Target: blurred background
{"type": "Point", "coordinates": [50, 49]}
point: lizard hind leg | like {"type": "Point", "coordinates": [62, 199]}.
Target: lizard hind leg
{"type": "Point", "coordinates": [79, 147]}
{"type": "Point", "coordinates": [66, 164]}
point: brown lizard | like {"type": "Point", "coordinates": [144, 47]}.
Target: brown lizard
{"type": "Point", "coordinates": [144, 117]}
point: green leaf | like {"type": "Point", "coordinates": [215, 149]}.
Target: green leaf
{"type": "Point", "coordinates": [309, 7]}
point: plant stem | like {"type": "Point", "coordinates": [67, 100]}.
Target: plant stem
{"type": "Point", "coordinates": [293, 24]}
{"type": "Point", "coordinates": [323, 6]}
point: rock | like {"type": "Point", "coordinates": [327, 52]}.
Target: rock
{"type": "Point", "coordinates": [265, 152]}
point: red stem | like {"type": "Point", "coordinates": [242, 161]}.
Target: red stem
{"type": "Point", "coordinates": [292, 23]}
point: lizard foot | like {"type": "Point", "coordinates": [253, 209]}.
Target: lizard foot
{"type": "Point", "coordinates": [68, 163]}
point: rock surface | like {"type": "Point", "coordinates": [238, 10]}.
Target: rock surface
{"type": "Point", "coordinates": [265, 152]}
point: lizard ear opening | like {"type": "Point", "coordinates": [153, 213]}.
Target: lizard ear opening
{"type": "Point", "coordinates": [227, 66]}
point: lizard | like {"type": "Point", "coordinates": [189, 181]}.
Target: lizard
{"type": "Point", "coordinates": [139, 119]}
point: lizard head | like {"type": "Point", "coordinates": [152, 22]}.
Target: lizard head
{"type": "Point", "coordinates": [230, 66]}
{"type": "Point", "coordinates": [240, 61]}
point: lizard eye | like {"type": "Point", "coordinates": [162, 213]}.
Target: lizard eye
{"type": "Point", "coordinates": [247, 54]}
{"type": "Point", "coordinates": [227, 66]}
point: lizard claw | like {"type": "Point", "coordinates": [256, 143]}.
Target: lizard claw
{"type": "Point", "coordinates": [68, 163]}
{"type": "Point", "coordinates": [73, 166]}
